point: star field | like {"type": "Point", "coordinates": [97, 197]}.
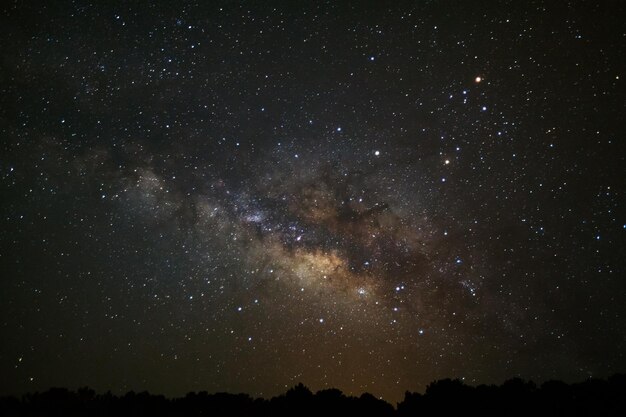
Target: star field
{"type": "Point", "coordinates": [243, 196]}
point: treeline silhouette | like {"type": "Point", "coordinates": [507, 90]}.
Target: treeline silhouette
{"type": "Point", "coordinates": [447, 397]}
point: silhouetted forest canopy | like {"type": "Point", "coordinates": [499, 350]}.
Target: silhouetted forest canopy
{"type": "Point", "coordinates": [447, 397]}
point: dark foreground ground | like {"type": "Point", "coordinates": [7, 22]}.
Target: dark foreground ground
{"type": "Point", "coordinates": [514, 397]}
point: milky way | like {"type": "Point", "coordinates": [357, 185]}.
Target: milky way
{"type": "Point", "coordinates": [243, 197]}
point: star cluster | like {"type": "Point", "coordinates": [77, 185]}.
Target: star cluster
{"type": "Point", "coordinates": [243, 196]}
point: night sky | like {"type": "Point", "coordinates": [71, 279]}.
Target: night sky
{"type": "Point", "coordinates": [369, 196]}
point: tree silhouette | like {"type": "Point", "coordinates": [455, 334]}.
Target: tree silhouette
{"type": "Point", "coordinates": [446, 397]}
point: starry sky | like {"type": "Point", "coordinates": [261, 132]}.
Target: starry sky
{"type": "Point", "coordinates": [241, 196]}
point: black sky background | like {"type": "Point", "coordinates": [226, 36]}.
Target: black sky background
{"type": "Point", "coordinates": [240, 196]}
